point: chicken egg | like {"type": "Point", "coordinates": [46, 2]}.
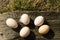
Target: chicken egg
{"type": "Point", "coordinates": [11, 23]}
{"type": "Point", "coordinates": [44, 29]}
{"type": "Point", "coordinates": [39, 21]}
{"type": "Point", "coordinates": [25, 19]}
{"type": "Point", "coordinates": [24, 32]}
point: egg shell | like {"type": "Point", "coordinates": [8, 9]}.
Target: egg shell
{"type": "Point", "coordinates": [11, 23]}
{"type": "Point", "coordinates": [39, 21]}
{"type": "Point", "coordinates": [25, 19]}
{"type": "Point", "coordinates": [44, 29]}
{"type": "Point", "coordinates": [24, 32]}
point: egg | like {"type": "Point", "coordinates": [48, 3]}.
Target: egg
{"type": "Point", "coordinates": [24, 19]}
{"type": "Point", "coordinates": [24, 32]}
{"type": "Point", "coordinates": [44, 29]}
{"type": "Point", "coordinates": [11, 23]}
{"type": "Point", "coordinates": [39, 21]}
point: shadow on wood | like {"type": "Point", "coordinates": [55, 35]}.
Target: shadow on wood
{"type": "Point", "coordinates": [49, 35]}
{"type": "Point", "coordinates": [31, 24]}
{"type": "Point", "coordinates": [31, 36]}
{"type": "Point", "coordinates": [18, 28]}
{"type": "Point", "coordinates": [45, 22]}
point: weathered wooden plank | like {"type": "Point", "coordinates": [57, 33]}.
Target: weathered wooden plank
{"type": "Point", "coordinates": [51, 18]}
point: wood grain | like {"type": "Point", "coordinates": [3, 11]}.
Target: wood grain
{"type": "Point", "coordinates": [51, 18]}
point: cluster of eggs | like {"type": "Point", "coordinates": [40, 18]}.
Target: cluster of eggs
{"type": "Point", "coordinates": [25, 19]}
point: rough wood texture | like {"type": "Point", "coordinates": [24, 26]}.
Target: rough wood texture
{"type": "Point", "coordinates": [51, 18]}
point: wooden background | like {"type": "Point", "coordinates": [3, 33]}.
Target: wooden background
{"type": "Point", "coordinates": [51, 18]}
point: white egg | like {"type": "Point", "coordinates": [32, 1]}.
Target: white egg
{"type": "Point", "coordinates": [24, 32]}
{"type": "Point", "coordinates": [44, 29]}
{"type": "Point", "coordinates": [11, 23]}
{"type": "Point", "coordinates": [39, 21]}
{"type": "Point", "coordinates": [25, 19]}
